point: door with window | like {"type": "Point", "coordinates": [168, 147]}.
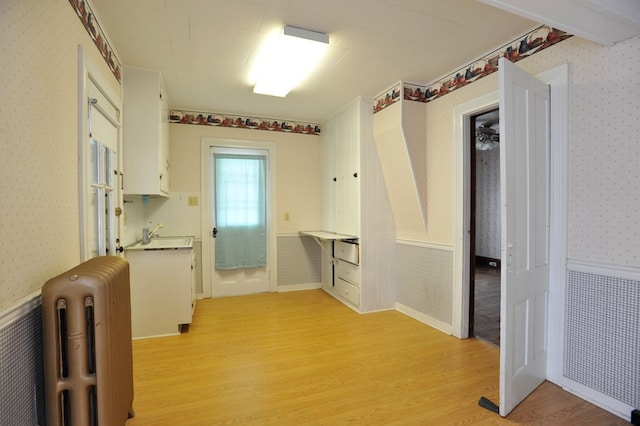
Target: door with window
{"type": "Point", "coordinates": [101, 192]}
{"type": "Point", "coordinates": [239, 198]}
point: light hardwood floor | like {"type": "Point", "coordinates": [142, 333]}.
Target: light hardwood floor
{"type": "Point", "coordinates": [303, 358]}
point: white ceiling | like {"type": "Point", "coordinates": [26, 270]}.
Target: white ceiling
{"type": "Point", "coordinates": [205, 48]}
{"type": "Point", "coordinates": [603, 21]}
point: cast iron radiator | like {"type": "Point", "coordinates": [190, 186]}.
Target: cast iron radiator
{"type": "Point", "coordinates": [87, 344]}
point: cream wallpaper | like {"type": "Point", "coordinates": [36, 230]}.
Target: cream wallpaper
{"type": "Point", "coordinates": [298, 171]}
{"type": "Point", "coordinates": [38, 149]}
{"type": "Point", "coordinates": [413, 125]}
{"type": "Point", "coordinates": [604, 102]}
{"type": "Point", "coordinates": [38, 144]}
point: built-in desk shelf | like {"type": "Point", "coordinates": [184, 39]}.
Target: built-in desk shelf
{"type": "Point", "coordinates": [326, 235]}
{"type": "Point", "coordinates": [345, 261]}
{"type": "Point", "coordinates": [320, 236]}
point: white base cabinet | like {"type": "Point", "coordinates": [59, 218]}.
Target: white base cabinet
{"type": "Point", "coordinates": [161, 291]}
{"type": "Point", "coordinates": [346, 272]}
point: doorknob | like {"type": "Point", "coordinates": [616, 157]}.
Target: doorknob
{"type": "Point", "coordinates": [214, 232]}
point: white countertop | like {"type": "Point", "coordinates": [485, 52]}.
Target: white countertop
{"type": "Point", "coordinates": [326, 235]}
{"type": "Point", "coordinates": [164, 243]}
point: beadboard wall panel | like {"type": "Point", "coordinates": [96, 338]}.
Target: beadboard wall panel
{"type": "Point", "coordinates": [378, 231]}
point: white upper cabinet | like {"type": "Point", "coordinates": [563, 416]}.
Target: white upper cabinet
{"type": "Point", "coordinates": [329, 177]}
{"type": "Point", "coordinates": [342, 169]}
{"type": "Point", "coordinates": [356, 204]}
{"type": "Point", "coordinates": [145, 133]}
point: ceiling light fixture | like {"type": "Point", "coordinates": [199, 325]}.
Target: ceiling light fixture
{"type": "Point", "coordinates": [290, 61]}
{"type": "Point", "coordinates": [487, 138]}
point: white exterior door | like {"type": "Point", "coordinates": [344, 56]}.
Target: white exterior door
{"type": "Point", "coordinates": [237, 280]}
{"type": "Point", "coordinates": [524, 163]}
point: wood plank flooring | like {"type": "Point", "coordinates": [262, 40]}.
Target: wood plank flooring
{"type": "Point", "coordinates": [303, 358]}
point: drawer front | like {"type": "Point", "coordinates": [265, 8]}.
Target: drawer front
{"type": "Point", "coordinates": [348, 272]}
{"type": "Point", "coordinates": [347, 251]}
{"type": "Point", "coordinates": [348, 291]}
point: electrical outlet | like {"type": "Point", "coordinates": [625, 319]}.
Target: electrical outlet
{"type": "Point", "coordinates": [192, 200]}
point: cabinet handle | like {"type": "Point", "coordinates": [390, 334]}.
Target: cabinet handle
{"type": "Point", "coordinates": [355, 174]}
{"type": "Point", "coordinates": [335, 179]}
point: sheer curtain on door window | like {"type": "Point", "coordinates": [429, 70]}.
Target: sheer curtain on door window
{"type": "Point", "coordinates": [240, 212]}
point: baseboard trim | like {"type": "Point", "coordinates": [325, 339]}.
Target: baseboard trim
{"type": "Point", "coordinates": [424, 318]}
{"type": "Point", "coordinates": [603, 401]}
{"type": "Point", "coordinates": [298, 287]}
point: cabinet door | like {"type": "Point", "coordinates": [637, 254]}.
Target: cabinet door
{"type": "Point", "coordinates": [329, 175]}
{"type": "Point", "coordinates": [163, 156]}
{"type": "Point", "coordinates": [145, 132]}
{"type": "Point", "coordinates": [348, 171]}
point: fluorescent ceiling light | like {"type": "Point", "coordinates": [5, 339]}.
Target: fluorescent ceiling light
{"type": "Point", "coordinates": [296, 53]}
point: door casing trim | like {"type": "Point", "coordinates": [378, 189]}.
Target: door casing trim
{"type": "Point", "coordinates": [558, 80]}
{"type": "Point", "coordinates": [205, 210]}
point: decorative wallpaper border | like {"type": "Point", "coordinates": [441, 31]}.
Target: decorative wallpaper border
{"type": "Point", "coordinates": [388, 97]}
{"type": "Point", "coordinates": [201, 118]}
{"type": "Point", "coordinates": [87, 17]}
{"type": "Point", "coordinates": [534, 41]}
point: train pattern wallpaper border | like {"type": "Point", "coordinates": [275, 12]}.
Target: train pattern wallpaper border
{"type": "Point", "coordinates": [87, 17]}
{"type": "Point", "coordinates": [525, 46]}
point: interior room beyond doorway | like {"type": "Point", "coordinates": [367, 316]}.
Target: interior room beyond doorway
{"type": "Point", "coordinates": [484, 259]}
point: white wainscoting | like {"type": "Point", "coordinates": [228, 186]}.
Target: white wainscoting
{"type": "Point", "coordinates": [425, 287]}
{"type": "Point", "coordinates": [601, 359]}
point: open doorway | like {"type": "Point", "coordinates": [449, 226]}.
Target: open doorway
{"type": "Point", "coordinates": [553, 312]}
{"type": "Point", "coordinates": [484, 248]}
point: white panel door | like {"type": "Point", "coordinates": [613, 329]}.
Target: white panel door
{"type": "Point", "coordinates": [524, 163]}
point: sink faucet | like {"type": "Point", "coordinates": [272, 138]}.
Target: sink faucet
{"type": "Point", "coordinates": [146, 235]}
